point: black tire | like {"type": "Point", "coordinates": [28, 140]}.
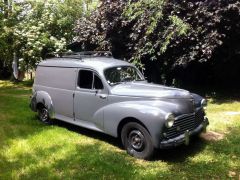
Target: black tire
{"type": "Point", "coordinates": [43, 115]}
{"type": "Point", "coordinates": [137, 141]}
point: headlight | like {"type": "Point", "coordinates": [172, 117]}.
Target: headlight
{"type": "Point", "coordinates": [170, 118]}
{"type": "Point", "coordinates": [204, 103]}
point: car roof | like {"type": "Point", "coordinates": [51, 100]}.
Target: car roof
{"type": "Point", "coordinates": [97, 63]}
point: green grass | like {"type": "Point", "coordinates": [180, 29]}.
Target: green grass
{"type": "Point", "coordinates": [32, 150]}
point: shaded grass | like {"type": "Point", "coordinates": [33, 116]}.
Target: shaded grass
{"type": "Point", "coordinates": [32, 150]}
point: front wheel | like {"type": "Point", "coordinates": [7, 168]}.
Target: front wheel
{"type": "Point", "coordinates": [137, 141]}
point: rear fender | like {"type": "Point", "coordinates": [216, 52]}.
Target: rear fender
{"type": "Point", "coordinates": [42, 97]}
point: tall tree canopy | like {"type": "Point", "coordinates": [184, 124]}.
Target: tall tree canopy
{"type": "Point", "coordinates": [167, 36]}
{"type": "Point", "coordinates": [31, 29]}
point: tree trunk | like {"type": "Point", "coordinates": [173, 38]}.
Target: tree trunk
{"type": "Point", "coordinates": [6, 8]}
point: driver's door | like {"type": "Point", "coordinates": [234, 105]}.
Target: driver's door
{"type": "Point", "coordinates": [89, 99]}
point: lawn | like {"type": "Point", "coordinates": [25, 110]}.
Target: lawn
{"type": "Point", "coordinates": [32, 150]}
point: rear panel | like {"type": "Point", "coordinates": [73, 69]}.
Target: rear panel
{"type": "Point", "coordinates": [59, 83]}
{"type": "Point", "coordinates": [56, 77]}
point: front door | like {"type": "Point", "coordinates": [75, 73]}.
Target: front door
{"type": "Point", "coordinates": [89, 99]}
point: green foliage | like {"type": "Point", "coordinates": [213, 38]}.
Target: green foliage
{"type": "Point", "coordinates": [147, 38]}
{"type": "Point", "coordinates": [175, 34]}
{"type": "Point", "coordinates": [31, 29]}
{"type": "Point", "coordinates": [46, 27]}
{"type": "Point", "coordinates": [8, 19]}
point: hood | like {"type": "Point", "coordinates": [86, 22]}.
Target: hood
{"type": "Point", "coordinates": [149, 90]}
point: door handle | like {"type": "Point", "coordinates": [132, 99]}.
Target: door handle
{"type": "Point", "coordinates": [103, 96]}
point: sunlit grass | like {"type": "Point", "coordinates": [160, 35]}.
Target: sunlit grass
{"type": "Point", "coordinates": [32, 150]}
{"type": "Point", "coordinates": [224, 115]}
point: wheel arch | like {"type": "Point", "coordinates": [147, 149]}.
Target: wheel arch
{"type": "Point", "coordinates": [43, 99]}
{"type": "Point", "coordinates": [127, 120]}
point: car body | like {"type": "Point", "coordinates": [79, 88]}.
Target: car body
{"type": "Point", "coordinates": [111, 96]}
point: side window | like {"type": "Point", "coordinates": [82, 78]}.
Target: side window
{"type": "Point", "coordinates": [97, 82]}
{"type": "Point", "coordinates": [89, 80]}
{"type": "Point", "coordinates": [85, 79]}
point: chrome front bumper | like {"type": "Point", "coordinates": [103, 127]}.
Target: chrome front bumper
{"type": "Point", "coordinates": [184, 138]}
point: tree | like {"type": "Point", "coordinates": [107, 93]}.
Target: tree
{"type": "Point", "coordinates": [32, 29]}
{"type": "Point", "coordinates": [8, 17]}
{"type": "Point", "coordinates": [166, 36]}
{"type": "Point", "coordinates": [46, 27]}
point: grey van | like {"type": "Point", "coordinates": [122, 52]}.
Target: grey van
{"type": "Point", "coordinates": [111, 96]}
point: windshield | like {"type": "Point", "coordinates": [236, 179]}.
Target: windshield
{"type": "Point", "coordinates": [121, 74]}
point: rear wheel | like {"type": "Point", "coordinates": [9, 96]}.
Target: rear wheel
{"type": "Point", "coordinates": [43, 115]}
{"type": "Point", "coordinates": [137, 141]}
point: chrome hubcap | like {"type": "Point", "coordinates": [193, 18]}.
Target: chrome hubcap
{"type": "Point", "coordinates": [44, 115]}
{"type": "Point", "coordinates": [136, 139]}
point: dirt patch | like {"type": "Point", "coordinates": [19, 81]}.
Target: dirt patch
{"type": "Point", "coordinates": [212, 136]}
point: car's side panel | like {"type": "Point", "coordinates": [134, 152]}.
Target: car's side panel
{"type": "Point", "coordinates": [59, 83]}
{"type": "Point", "coordinates": [56, 77]}
{"type": "Point", "coordinates": [85, 124]}
{"type": "Point", "coordinates": [88, 106]}
{"type": "Point", "coordinates": [88, 103]}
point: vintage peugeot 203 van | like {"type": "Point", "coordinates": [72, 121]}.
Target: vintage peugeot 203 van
{"type": "Point", "coordinates": [111, 96]}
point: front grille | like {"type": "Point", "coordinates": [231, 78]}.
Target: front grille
{"type": "Point", "coordinates": [199, 117]}
{"type": "Point", "coordinates": [184, 123]}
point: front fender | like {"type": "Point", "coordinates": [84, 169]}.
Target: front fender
{"type": "Point", "coordinates": [152, 117]}
{"type": "Point", "coordinates": [197, 99]}
{"type": "Point", "coordinates": [42, 97]}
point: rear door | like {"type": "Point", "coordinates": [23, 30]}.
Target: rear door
{"type": "Point", "coordinates": [90, 98]}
